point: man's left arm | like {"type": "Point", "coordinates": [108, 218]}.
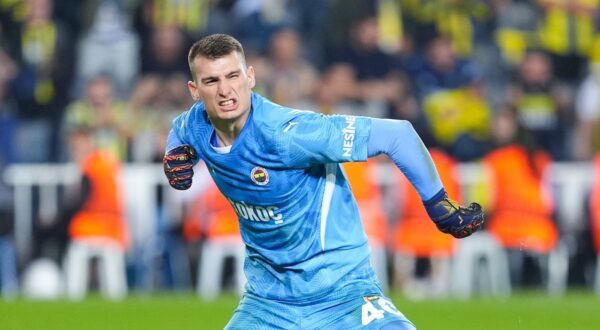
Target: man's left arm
{"type": "Point", "coordinates": [399, 141]}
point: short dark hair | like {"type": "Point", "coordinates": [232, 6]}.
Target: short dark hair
{"type": "Point", "coordinates": [212, 47]}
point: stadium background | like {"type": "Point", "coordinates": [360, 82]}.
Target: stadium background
{"type": "Point", "coordinates": [509, 82]}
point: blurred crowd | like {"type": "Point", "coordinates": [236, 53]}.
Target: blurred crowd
{"type": "Point", "coordinates": [514, 84]}
{"type": "Point", "coordinates": [450, 67]}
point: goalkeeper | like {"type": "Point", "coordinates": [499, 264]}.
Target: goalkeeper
{"type": "Point", "coordinates": [307, 258]}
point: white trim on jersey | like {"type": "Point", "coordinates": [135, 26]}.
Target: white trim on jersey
{"type": "Point", "coordinates": [330, 178]}
{"type": "Point", "coordinates": [222, 150]}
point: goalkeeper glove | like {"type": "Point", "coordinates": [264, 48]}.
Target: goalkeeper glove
{"type": "Point", "coordinates": [453, 219]}
{"type": "Point", "coordinates": [177, 164]}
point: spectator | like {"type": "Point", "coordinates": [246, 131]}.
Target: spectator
{"type": "Point", "coordinates": [541, 104]}
{"type": "Point", "coordinates": [442, 69]}
{"type": "Point", "coordinates": [339, 90]}
{"type": "Point", "coordinates": [97, 228]}
{"type": "Point", "coordinates": [587, 133]}
{"type": "Point", "coordinates": [459, 21]}
{"type": "Point", "coordinates": [166, 51]}
{"type": "Point", "coordinates": [290, 80]}
{"type": "Point", "coordinates": [8, 110]}
{"type": "Point", "coordinates": [154, 103]}
{"type": "Point", "coordinates": [11, 15]}
{"type": "Point", "coordinates": [453, 101]}
{"type": "Point", "coordinates": [521, 216]}
{"type": "Point", "coordinates": [338, 94]}
{"type": "Point", "coordinates": [192, 16]}
{"type": "Point", "coordinates": [254, 21]}
{"type": "Point", "coordinates": [343, 14]}
{"type": "Point", "coordinates": [515, 29]}
{"type": "Point", "coordinates": [379, 83]}
{"type": "Point", "coordinates": [567, 30]}
{"type": "Point", "coordinates": [43, 81]}
{"type": "Point", "coordinates": [105, 113]}
{"type": "Point", "coordinates": [312, 17]}
{"type": "Point", "coordinates": [9, 283]}
{"type": "Point", "coordinates": [109, 47]}
{"type": "Point", "coordinates": [363, 53]}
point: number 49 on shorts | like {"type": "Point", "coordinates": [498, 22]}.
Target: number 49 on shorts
{"type": "Point", "coordinates": [375, 308]}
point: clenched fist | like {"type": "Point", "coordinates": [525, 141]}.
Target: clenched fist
{"type": "Point", "coordinates": [453, 219]}
{"type": "Point", "coordinates": [178, 164]}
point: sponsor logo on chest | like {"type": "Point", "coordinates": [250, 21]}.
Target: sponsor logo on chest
{"type": "Point", "coordinates": [256, 213]}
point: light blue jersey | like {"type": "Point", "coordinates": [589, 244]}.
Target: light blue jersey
{"type": "Point", "coordinates": [298, 218]}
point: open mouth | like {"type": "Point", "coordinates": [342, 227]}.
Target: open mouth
{"type": "Point", "coordinates": [229, 104]}
{"type": "Point", "coordinates": [226, 103]}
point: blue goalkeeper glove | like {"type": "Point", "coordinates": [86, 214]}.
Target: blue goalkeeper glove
{"type": "Point", "coordinates": [453, 219]}
{"type": "Point", "coordinates": [178, 165]}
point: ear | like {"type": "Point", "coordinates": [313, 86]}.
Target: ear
{"type": "Point", "coordinates": [193, 90]}
{"type": "Point", "coordinates": [251, 77]}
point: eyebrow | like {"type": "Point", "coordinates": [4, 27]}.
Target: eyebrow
{"type": "Point", "coordinates": [238, 71]}
{"type": "Point", "coordinates": [209, 78]}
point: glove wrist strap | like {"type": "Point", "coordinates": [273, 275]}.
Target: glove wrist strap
{"type": "Point", "coordinates": [440, 195]}
{"type": "Point", "coordinates": [440, 207]}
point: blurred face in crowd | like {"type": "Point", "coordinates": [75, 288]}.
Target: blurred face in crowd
{"type": "Point", "coordinates": [339, 83]}
{"type": "Point", "coordinates": [167, 43]}
{"type": "Point", "coordinates": [366, 33]}
{"type": "Point", "coordinates": [81, 144]}
{"type": "Point", "coordinates": [39, 11]}
{"type": "Point", "coordinates": [100, 92]}
{"type": "Point", "coordinates": [504, 128]}
{"type": "Point", "coordinates": [442, 54]}
{"type": "Point", "coordinates": [177, 95]}
{"type": "Point", "coordinates": [285, 47]}
{"type": "Point", "coordinates": [536, 68]}
{"type": "Point", "coordinates": [225, 85]}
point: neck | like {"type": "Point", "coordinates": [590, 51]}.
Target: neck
{"type": "Point", "coordinates": [228, 131]}
{"type": "Point", "coordinates": [227, 137]}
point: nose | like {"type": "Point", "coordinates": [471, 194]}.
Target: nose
{"type": "Point", "coordinates": [224, 88]}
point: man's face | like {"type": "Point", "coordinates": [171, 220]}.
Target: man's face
{"type": "Point", "coordinates": [225, 85]}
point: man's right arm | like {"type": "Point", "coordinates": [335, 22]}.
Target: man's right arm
{"type": "Point", "coordinates": [178, 162]}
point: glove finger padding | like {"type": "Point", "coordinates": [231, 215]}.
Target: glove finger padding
{"type": "Point", "coordinates": [463, 222]}
{"type": "Point", "coordinates": [178, 166]}
{"type": "Point", "coordinates": [180, 179]}
{"type": "Point", "coordinates": [181, 184]}
{"type": "Point", "coordinates": [182, 175]}
{"type": "Point", "coordinates": [184, 154]}
{"type": "Point", "coordinates": [472, 219]}
{"type": "Point", "coordinates": [175, 169]}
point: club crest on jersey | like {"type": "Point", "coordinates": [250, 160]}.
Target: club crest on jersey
{"type": "Point", "coordinates": [260, 176]}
